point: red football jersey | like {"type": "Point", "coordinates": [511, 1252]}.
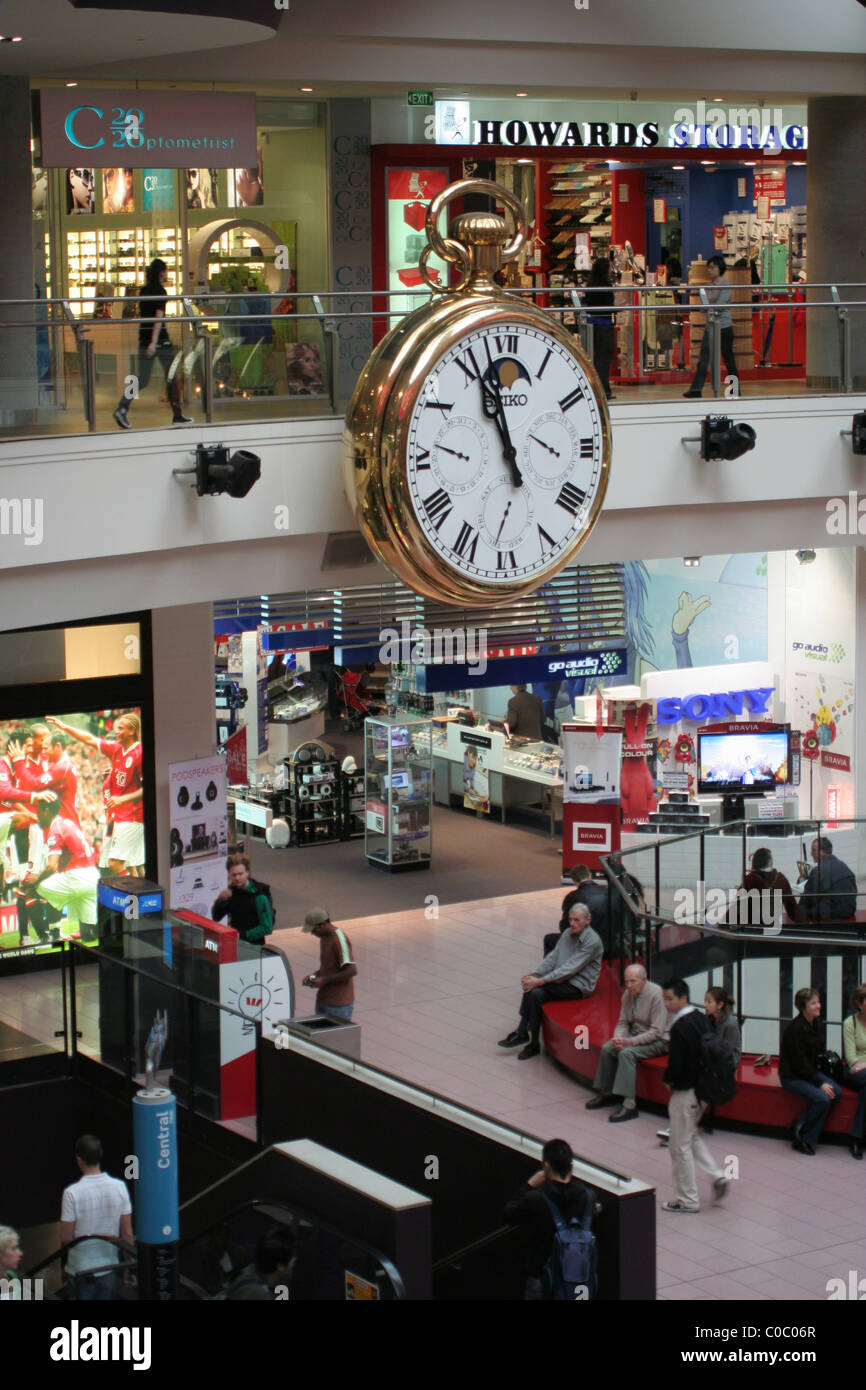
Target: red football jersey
{"type": "Point", "coordinates": [29, 773]}
{"type": "Point", "coordinates": [65, 838]}
{"type": "Point", "coordinates": [11, 795]}
{"type": "Point", "coordinates": [61, 777]}
{"type": "Point", "coordinates": [125, 777]}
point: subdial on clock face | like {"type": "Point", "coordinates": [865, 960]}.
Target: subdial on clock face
{"type": "Point", "coordinates": [459, 454]}
{"type": "Point", "coordinates": [550, 448]}
{"type": "Point", "coordinates": [505, 515]}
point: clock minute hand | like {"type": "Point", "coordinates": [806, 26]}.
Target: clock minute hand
{"type": "Point", "coordinates": [491, 397]}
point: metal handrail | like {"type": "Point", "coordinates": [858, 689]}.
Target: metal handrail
{"type": "Point", "coordinates": [655, 918]}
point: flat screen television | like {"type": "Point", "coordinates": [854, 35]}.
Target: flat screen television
{"type": "Point", "coordinates": [73, 800]}
{"type": "Point", "coordinates": [743, 764]}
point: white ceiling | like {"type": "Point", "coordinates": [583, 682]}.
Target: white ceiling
{"type": "Point", "coordinates": [55, 38]}
{"type": "Point", "coordinates": [738, 49]}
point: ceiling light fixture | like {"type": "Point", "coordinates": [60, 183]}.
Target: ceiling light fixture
{"type": "Point", "coordinates": [692, 561]}
{"type": "Point", "coordinates": [72, 84]}
{"type": "Point", "coordinates": [678, 166]}
{"type": "Point", "coordinates": [306, 89]}
{"type": "Point", "coordinates": [521, 94]}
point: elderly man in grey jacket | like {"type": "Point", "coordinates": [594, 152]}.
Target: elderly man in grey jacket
{"type": "Point", "coordinates": [569, 971]}
{"type": "Point", "coordinates": [642, 1030]}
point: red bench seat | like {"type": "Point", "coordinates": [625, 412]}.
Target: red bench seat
{"type": "Point", "coordinates": [760, 1099]}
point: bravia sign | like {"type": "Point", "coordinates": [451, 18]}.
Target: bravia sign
{"type": "Point", "coordinates": [138, 129]}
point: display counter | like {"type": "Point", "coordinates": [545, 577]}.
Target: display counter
{"type": "Point", "coordinates": [483, 767]}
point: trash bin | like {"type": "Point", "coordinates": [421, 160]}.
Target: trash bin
{"type": "Point", "coordinates": [335, 1033]}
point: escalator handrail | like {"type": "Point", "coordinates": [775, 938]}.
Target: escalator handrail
{"type": "Point", "coordinates": [124, 1248]}
{"type": "Point", "coordinates": [300, 1214]}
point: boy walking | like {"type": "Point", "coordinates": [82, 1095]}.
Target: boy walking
{"type": "Point", "coordinates": [684, 1108]}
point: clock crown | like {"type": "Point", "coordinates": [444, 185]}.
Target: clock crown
{"type": "Point", "coordinates": [484, 234]}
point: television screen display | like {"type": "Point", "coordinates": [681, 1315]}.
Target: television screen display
{"type": "Point", "coordinates": [71, 811]}
{"type": "Point", "coordinates": [742, 764]}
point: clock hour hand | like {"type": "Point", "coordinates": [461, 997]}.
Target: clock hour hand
{"type": "Point", "coordinates": [491, 396]}
{"type": "Point", "coordinates": [548, 447]}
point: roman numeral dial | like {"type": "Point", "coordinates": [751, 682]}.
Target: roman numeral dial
{"type": "Point", "coordinates": [506, 458]}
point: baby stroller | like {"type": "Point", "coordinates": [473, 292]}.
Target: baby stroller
{"type": "Point", "coordinates": [355, 698]}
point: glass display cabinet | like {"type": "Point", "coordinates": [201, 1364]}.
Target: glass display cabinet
{"type": "Point", "coordinates": [399, 793]}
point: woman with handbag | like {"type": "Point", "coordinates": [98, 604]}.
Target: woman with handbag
{"type": "Point", "coordinates": [799, 1055]}
{"type": "Point", "coordinates": [854, 1075]}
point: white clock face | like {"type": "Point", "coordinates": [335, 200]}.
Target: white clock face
{"type": "Point", "coordinates": [505, 454]}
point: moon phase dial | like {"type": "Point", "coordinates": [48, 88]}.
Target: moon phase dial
{"type": "Point", "coordinates": [459, 454]}
{"type": "Point", "coordinates": [550, 448]}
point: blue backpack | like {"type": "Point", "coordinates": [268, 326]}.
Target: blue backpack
{"type": "Point", "coordinates": [571, 1272]}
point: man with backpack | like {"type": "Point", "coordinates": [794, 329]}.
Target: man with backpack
{"type": "Point", "coordinates": [555, 1211]}
{"type": "Point", "coordinates": [700, 1072]}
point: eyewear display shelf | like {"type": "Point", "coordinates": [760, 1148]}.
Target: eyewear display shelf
{"type": "Point", "coordinates": [399, 793]}
{"type": "Point", "coordinates": [312, 799]}
{"type": "Point", "coordinates": [118, 256]}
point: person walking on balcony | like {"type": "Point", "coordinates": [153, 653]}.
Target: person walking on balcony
{"type": "Point", "coordinates": [153, 343]}
{"type": "Point", "coordinates": [718, 293]}
{"type": "Point", "coordinates": [597, 297]}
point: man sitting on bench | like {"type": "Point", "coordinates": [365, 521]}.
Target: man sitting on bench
{"type": "Point", "coordinates": [570, 971]}
{"type": "Point", "coordinates": [643, 1030]}
{"type": "Point", "coordinates": [830, 894]}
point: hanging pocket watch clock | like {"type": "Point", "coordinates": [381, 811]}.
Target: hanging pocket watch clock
{"type": "Point", "coordinates": [477, 441]}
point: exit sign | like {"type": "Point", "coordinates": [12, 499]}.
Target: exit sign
{"type": "Point", "coordinates": [419, 98]}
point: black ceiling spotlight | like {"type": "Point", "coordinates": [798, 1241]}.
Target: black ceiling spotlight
{"type": "Point", "coordinates": [217, 471]}
{"type": "Point", "coordinates": [721, 438]}
{"type": "Point", "coordinates": [857, 433]}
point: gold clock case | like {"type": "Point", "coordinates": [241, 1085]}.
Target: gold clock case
{"type": "Point", "coordinates": [376, 435]}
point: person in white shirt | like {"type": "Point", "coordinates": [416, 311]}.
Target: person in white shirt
{"type": "Point", "coordinates": [97, 1205]}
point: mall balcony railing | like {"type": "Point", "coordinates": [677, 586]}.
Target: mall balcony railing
{"type": "Point", "coordinates": [66, 363]}
{"type": "Point", "coordinates": [676, 903]}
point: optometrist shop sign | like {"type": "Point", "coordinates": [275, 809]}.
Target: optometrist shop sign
{"type": "Point", "coordinates": [594, 125]}
{"type": "Point", "coordinates": [139, 129]}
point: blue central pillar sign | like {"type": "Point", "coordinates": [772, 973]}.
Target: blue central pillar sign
{"type": "Point", "coordinates": [154, 1128]}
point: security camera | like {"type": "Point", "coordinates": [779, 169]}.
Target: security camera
{"type": "Point", "coordinates": [805, 557]}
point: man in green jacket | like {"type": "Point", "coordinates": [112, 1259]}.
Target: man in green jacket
{"type": "Point", "coordinates": [246, 903]}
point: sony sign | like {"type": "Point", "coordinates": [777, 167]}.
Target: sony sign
{"type": "Point", "coordinates": [718, 705]}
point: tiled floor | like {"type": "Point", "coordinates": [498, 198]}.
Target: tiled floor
{"type": "Point", "coordinates": [434, 996]}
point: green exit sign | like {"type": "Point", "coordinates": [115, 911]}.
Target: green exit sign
{"type": "Point", "coordinates": [419, 98]}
